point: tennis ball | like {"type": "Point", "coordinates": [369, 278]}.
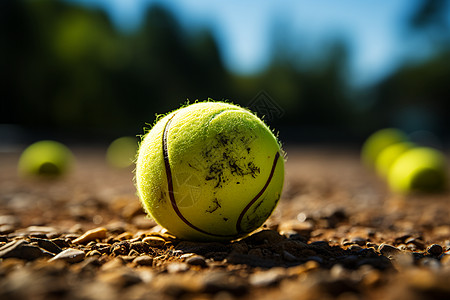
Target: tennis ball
{"type": "Point", "coordinates": [388, 156]}
{"type": "Point", "coordinates": [210, 171]}
{"type": "Point", "coordinates": [378, 141]}
{"type": "Point", "coordinates": [418, 170]}
{"type": "Point", "coordinates": [45, 158]}
{"type": "Point", "coordinates": [122, 152]}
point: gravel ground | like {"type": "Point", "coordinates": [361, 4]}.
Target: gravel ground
{"type": "Point", "coordinates": [336, 233]}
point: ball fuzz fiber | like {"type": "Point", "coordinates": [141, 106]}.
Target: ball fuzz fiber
{"type": "Point", "coordinates": [421, 169]}
{"type": "Point", "coordinates": [45, 159]}
{"type": "Point", "coordinates": [210, 171]}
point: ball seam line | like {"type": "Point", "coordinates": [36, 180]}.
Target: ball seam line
{"type": "Point", "coordinates": [172, 194]}
{"type": "Point", "coordinates": [244, 211]}
{"type": "Point", "coordinates": [170, 184]}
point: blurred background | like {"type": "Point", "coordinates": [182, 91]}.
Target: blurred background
{"type": "Point", "coordinates": [93, 70]}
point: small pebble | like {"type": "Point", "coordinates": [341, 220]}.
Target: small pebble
{"type": "Point", "coordinates": [187, 255]}
{"type": "Point", "coordinates": [91, 235]}
{"type": "Point", "coordinates": [402, 239]}
{"type": "Point", "coordinates": [402, 247]}
{"type": "Point", "coordinates": [61, 243]}
{"type": "Point", "coordinates": [53, 235]}
{"type": "Point", "coordinates": [133, 253]}
{"type": "Point", "coordinates": [124, 236]}
{"type": "Point", "coordinates": [102, 248]}
{"type": "Point", "coordinates": [70, 255]}
{"type": "Point", "coordinates": [140, 247]}
{"type": "Point", "coordinates": [388, 250]}
{"type": "Point", "coordinates": [154, 241]}
{"type": "Point", "coordinates": [435, 250]}
{"type": "Point", "coordinates": [358, 241]}
{"type": "Point", "coordinates": [94, 253]}
{"type": "Point", "coordinates": [355, 248]}
{"type": "Point", "coordinates": [23, 250]}
{"type": "Point", "coordinates": [127, 258]}
{"type": "Point", "coordinates": [47, 245]}
{"type": "Point", "coordinates": [346, 243]}
{"type": "Point", "coordinates": [417, 242]}
{"type": "Point", "coordinates": [177, 268]}
{"type": "Point", "coordinates": [372, 245]}
{"type": "Point", "coordinates": [143, 260]}
{"type": "Point", "coordinates": [121, 248]}
{"type": "Point", "coordinates": [411, 247]}
{"type": "Point", "coordinates": [196, 260]}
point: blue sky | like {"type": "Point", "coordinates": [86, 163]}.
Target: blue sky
{"type": "Point", "coordinates": [242, 28]}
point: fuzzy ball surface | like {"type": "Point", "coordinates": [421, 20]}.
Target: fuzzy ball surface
{"type": "Point", "coordinates": [210, 171]}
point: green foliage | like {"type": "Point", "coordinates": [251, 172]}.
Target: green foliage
{"type": "Point", "coordinates": [67, 67]}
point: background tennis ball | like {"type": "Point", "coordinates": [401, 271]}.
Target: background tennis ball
{"type": "Point", "coordinates": [45, 158]}
{"type": "Point", "coordinates": [378, 141]}
{"type": "Point", "coordinates": [419, 170]}
{"type": "Point", "coordinates": [389, 155]}
{"type": "Point", "coordinates": [121, 153]}
{"type": "Point", "coordinates": [210, 171]}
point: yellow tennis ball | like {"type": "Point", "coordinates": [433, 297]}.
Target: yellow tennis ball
{"type": "Point", "coordinates": [121, 153]}
{"type": "Point", "coordinates": [378, 141]}
{"type": "Point", "coordinates": [210, 171]}
{"type": "Point", "coordinates": [45, 158]}
{"type": "Point", "coordinates": [389, 155]}
{"type": "Point", "coordinates": [419, 170]}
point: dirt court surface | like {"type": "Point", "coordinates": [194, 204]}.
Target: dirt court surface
{"type": "Point", "coordinates": [336, 233]}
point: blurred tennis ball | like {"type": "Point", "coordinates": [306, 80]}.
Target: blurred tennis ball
{"type": "Point", "coordinates": [389, 155]}
{"type": "Point", "coordinates": [45, 158]}
{"type": "Point", "coordinates": [419, 170]}
{"type": "Point", "coordinates": [121, 153]}
{"type": "Point", "coordinates": [378, 141]}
